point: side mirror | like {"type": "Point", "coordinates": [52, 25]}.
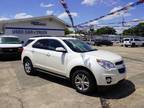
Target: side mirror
{"type": "Point", "coordinates": [22, 42]}
{"type": "Point", "coordinates": [61, 49]}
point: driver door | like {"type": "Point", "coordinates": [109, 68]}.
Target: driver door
{"type": "Point", "coordinates": [55, 61]}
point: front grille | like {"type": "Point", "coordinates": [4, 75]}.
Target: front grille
{"type": "Point", "coordinates": [121, 67]}
{"type": "Point", "coordinates": [119, 63]}
{"type": "Point", "coordinates": [9, 50]}
{"type": "Point", "coordinates": [122, 70]}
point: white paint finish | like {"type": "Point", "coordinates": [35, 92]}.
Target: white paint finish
{"type": "Point", "coordinates": [10, 45]}
{"type": "Point", "coordinates": [62, 63]}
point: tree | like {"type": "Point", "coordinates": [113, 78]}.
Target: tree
{"type": "Point", "coordinates": [105, 30]}
{"type": "Point", "coordinates": [138, 30]}
{"type": "Point", "coordinates": [67, 31]}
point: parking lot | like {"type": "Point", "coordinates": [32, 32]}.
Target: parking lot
{"type": "Point", "coordinates": [17, 90]}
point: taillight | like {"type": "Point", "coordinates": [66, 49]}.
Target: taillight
{"type": "Point", "coordinates": [20, 50]}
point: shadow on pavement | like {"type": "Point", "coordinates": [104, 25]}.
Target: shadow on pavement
{"type": "Point", "coordinates": [121, 90]}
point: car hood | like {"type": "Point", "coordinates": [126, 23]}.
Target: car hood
{"type": "Point", "coordinates": [105, 55]}
{"type": "Point", "coordinates": [10, 45]}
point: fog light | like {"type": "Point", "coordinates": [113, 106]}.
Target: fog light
{"type": "Point", "coordinates": [108, 80]}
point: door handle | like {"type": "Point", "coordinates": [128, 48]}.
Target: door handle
{"type": "Point", "coordinates": [32, 51]}
{"type": "Point", "coordinates": [48, 55]}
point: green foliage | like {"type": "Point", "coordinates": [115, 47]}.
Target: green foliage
{"type": "Point", "coordinates": [67, 31]}
{"type": "Point", "coordinates": [105, 30]}
{"type": "Point", "coordinates": [137, 30]}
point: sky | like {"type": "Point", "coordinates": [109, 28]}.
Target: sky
{"type": "Point", "coordinates": [81, 10]}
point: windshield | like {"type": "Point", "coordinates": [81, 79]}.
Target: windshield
{"type": "Point", "coordinates": [78, 45]}
{"type": "Point", "coordinates": [9, 40]}
{"type": "Point", "coordinates": [126, 39]}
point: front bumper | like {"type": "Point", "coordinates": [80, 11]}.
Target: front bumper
{"type": "Point", "coordinates": [110, 77]}
{"type": "Point", "coordinates": [8, 55]}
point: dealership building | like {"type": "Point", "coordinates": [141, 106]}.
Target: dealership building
{"type": "Point", "coordinates": [36, 26]}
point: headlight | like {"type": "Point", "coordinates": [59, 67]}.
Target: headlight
{"type": "Point", "coordinates": [106, 64]}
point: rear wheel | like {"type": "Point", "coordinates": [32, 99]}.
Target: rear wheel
{"type": "Point", "coordinates": [83, 81]}
{"type": "Point", "coordinates": [28, 67]}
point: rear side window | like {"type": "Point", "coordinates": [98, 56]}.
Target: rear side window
{"type": "Point", "coordinates": [28, 42]}
{"type": "Point", "coordinates": [41, 44]}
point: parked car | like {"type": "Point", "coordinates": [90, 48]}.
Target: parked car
{"type": "Point", "coordinates": [90, 42]}
{"type": "Point", "coordinates": [10, 46]}
{"type": "Point", "coordinates": [100, 42]}
{"type": "Point", "coordinates": [132, 42]}
{"type": "Point", "coordinates": [72, 58]}
{"type": "Point", "coordinates": [142, 42]}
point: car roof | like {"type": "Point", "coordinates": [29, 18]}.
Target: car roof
{"type": "Point", "coordinates": [62, 38]}
{"type": "Point", "coordinates": [9, 36]}
{"type": "Point", "coordinates": [126, 38]}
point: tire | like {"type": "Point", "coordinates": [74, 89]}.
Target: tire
{"type": "Point", "coordinates": [28, 67]}
{"type": "Point", "coordinates": [79, 77]}
{"type": "Point", "coordinates": [133, 45]}
{"type": "Point", "coordinates": [126, 45]}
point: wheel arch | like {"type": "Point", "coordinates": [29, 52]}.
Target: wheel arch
{"type": "Point", "coordinates": [81, 67]}
{"type": "Point", "coordinates": [26, 57]}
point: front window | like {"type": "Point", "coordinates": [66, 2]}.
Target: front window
{"type": "Point", "coordinates": [9, 40]}
{"type": "Point", "coordinates": [78, 45]}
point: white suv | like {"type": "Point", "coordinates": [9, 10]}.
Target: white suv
{"type": "Point", "coordinates": [72, 58]}
{"type": "Point", "coordinates": [133, 42]}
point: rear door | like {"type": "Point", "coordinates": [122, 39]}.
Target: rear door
{"type": "Point", "coordinates": [39, 53]}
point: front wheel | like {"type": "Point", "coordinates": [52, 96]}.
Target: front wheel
{"type": "Point", "coordinates": [28, 67]}
{"type": "Point", "coordinates": [133, 45]}
{"type": "Point", "coordinates": [83, 81]}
